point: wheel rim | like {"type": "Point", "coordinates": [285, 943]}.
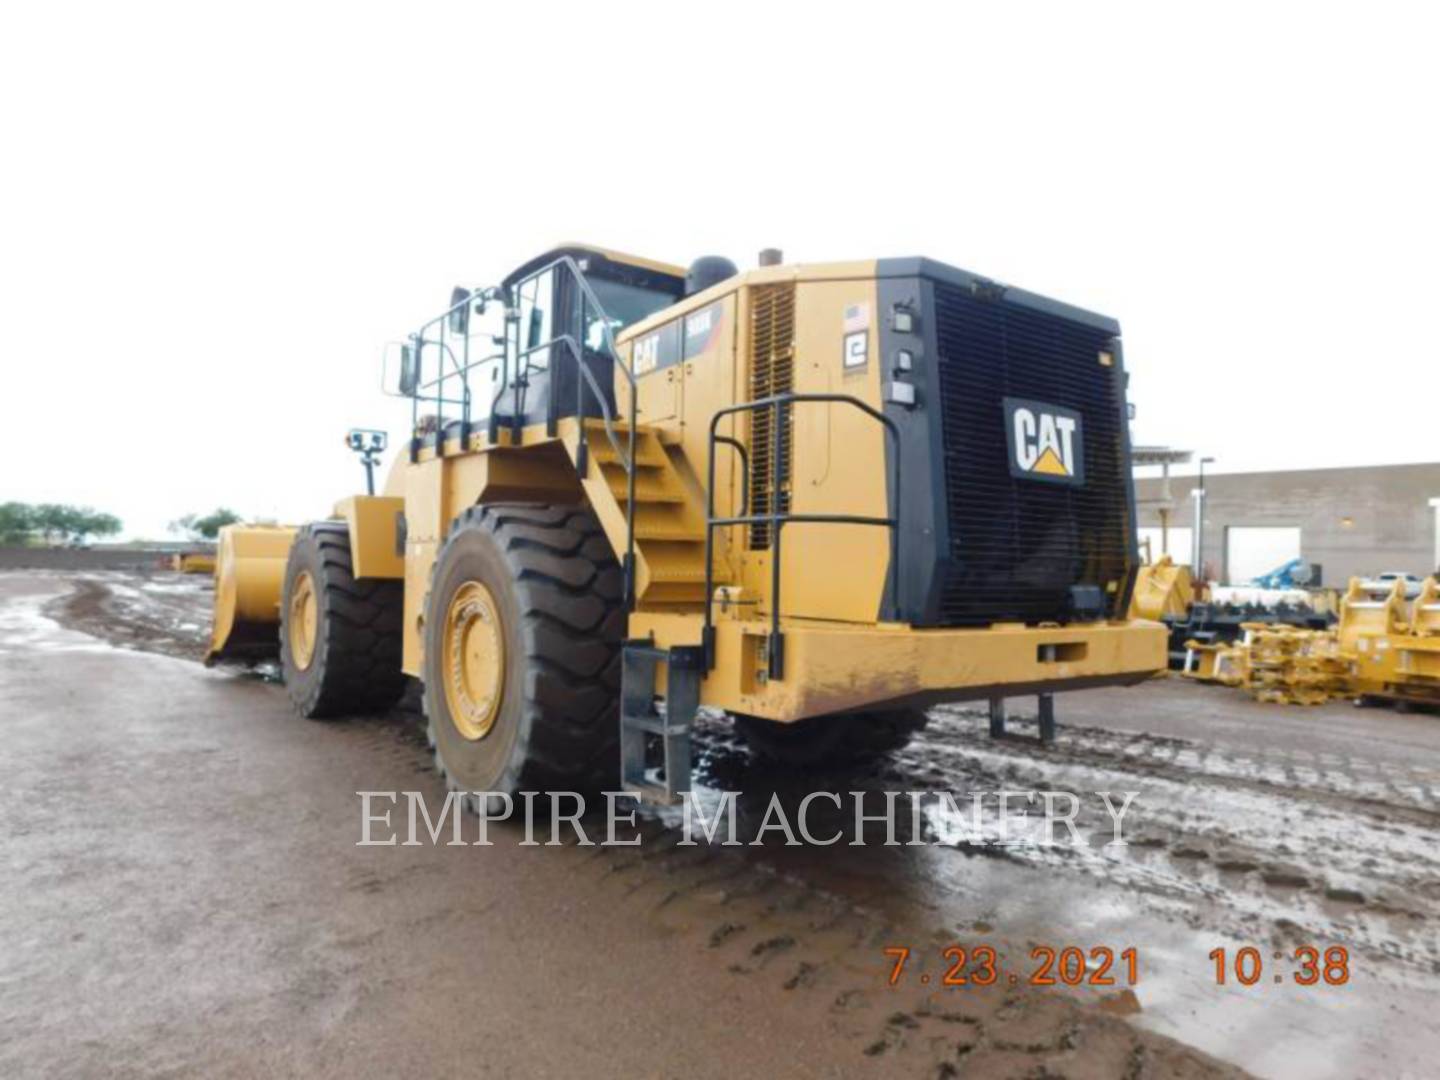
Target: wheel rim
{"type": "Point", "coordinates": [304, 618]}
{"type": "Point", "coordinates": [474, 658]}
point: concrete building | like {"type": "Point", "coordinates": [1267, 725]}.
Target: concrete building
{"type": "Point", "coordinates": [1353, 522]}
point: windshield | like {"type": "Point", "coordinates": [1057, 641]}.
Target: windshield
{"type": "Point", "coordinates": [624, 304]}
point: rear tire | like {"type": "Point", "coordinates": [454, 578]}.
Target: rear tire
{"type": "Point", "coordinates": [523, 628]}
{"type": "Point", "coordinates": [342, 655]}
{"type": "Point", "coordinates": [822, 742]}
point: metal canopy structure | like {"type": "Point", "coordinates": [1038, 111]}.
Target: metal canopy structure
{"type": "Point", "coordinates": [1159, 455]}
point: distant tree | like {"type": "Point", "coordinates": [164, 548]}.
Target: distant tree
{"type": "Point", "coordinates": [207, 526]}
{"type": "Point", "coordinates": [96, 523]}
{"type": "Point", "coordinates": [54, 520]}
{"type": "Point", "coordinates": [17, 522]}
{"type": "Point", "coordinates": [54, 523]}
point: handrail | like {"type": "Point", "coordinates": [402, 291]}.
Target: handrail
{"type": "Point", "coordinates": [572, 345]}
{"type": "Point", "coordinates": [461, 371]}
{"type": "Point", "coordinates": [579, 275]}
{"type": "Point", "coordinates": [776, 520]}
{"type": "Point", "coordinates": [589, 376]}
{"type": "Point", "coordinates": [744, 469]}
{"type": "Point", "coordinates": [569, 263]}
{"type": "Point", "coordinates": [576, 349]}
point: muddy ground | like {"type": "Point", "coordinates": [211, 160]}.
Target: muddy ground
{"type": "Point", "coordinates": [184, 895]}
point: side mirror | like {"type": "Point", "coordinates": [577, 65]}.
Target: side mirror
{"type": "Point", "coordinates": [537, 324]}
{"type": "Point", "coordinates": [460, 298]}
{"type": "Point", "coordinates": [409, 369]}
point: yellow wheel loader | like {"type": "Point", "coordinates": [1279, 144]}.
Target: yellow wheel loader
{"type": "Point", "coordinates": [818, 498]}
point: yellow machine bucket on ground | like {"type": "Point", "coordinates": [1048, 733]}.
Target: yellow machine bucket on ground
{"type": "Point", "coordinates": [249, 573]}
{"type": "Point", "coordinates": [1162, 588]}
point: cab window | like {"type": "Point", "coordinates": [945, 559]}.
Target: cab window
{"type": "Point", "coordinates": [537, 322]}
{"type": "Point", "coordinates": [624, 303]}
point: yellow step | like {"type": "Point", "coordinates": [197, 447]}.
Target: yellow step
{"type": "Point", "coordinates": [677, 533]}
{"type": "Point", "coordinates": [668, 517]}
{"type": "Point", "coordinates": [673, 593]}
{"type": "Point", "coordinates": [648, 453]}
{"type": "Point", "coordinates": [687, 574]}
{"type": "Point", "coordinates": [649, 487]}
{"type": "Point", "coordinates": [676, 571]}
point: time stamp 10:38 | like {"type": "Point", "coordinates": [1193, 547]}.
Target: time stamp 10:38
{"type": "Point", "coordinates": [1071, 965]}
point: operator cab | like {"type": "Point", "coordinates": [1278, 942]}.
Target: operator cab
{"type": "Point", "coordinates": [629, 288]}
{"type": "Point", "coordinates": [566, 304]}
{"type": "Point", "coordinates": [547, 299]}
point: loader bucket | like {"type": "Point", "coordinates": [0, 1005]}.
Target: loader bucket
{"type": "Point", "coordinates": [249, 573]}
{"type": "Point", "coordinates": [1162, 588]}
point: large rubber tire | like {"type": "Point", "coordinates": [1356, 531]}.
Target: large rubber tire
{"type": "Point", "coordinates": [826, 742]}
{"type": "Point", "coordinates": [558, 598]}
{"type": "Point", "coordinates": [355, 663]}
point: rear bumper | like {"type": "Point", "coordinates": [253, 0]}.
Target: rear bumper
{"type": "Point", "coordinates": [837, 668]}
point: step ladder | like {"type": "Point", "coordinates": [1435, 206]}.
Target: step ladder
{"type": "Point", "coordinates": [666, 780]}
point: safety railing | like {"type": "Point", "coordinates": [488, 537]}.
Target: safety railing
{"type": "Point", "coordinates": [433, 391]}
{"type": "Point", "coordinates": [777, 518]}
{"type": "Point", "coordinates": [515, 370]}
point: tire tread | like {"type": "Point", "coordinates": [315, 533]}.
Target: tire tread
{"type": "Point", "coordinates": [361, 620]}
{"type": "Point", "coordinates": [567, 584]}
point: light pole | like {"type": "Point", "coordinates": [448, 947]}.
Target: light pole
{"type": "Point", "coordinates": [1198, 542]}
{"type": "Point", "coordinates": [1435, 505]}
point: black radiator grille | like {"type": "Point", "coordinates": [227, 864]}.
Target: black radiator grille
{"type": "Point", "coordinates": [1017, 545]}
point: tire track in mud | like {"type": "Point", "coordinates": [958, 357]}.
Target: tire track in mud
{"type": "Point", "coordinates": [776, 933]}
{"type": "Point", "coordinates": [1241, 844]}
{"type": "Point", "coordinates": [1357, 826]}
{"type": "Point", "coordinates": [1386, 790]}
{"type": "Point", "coordinates": [805, 928]}
{"type": "Point", "coordinates": [786, 942]}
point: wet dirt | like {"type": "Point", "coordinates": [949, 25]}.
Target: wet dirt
{"type": "Point", "coordinates": [161, 611]}
{"type": "Point", "coordinates": [1252, 826]}
{"type": "Point", "coordinates": [1284, 849]}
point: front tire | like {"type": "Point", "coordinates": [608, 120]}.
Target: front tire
{"type": "Point", "coordinates": [523, 627]}
{"type": "Point", "coordinates": [339, 636]}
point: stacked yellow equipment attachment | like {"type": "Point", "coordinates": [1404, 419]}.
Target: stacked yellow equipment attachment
{"type": "Point", "coordinates": [1295, 667]}
{"type": "Point", "coordinates": [1383, 647]}
{"type": "Point", "coordinates": [1393, 646]}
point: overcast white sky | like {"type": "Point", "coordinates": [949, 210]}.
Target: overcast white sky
{"type": "Point", "coordinates": [212, 217]}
